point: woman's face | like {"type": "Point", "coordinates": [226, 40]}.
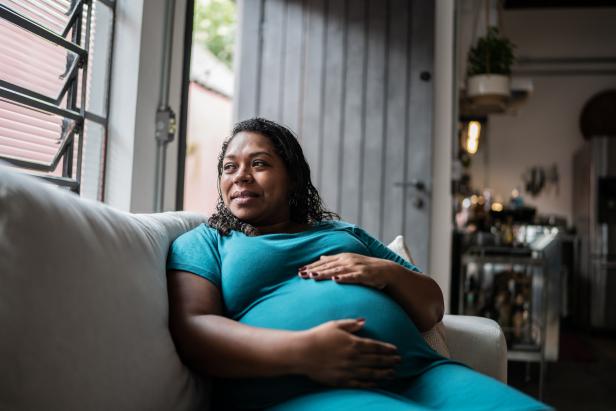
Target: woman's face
{"type": "Point", "coordinates": [254, 181]}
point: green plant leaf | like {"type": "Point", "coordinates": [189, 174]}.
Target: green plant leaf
{"type": "Point", "coordinates": [493, 54]}
{"type": "Point", "coordinates": [214, 27]}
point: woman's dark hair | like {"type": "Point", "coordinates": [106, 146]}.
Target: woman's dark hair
{"type": "Point", "coordinates": [305, 202]}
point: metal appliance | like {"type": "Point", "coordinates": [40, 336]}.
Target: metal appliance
{"type": "Point", "coordinates": [594, 213]}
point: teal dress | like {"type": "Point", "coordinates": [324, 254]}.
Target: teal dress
{"type": "Point", "coordinates": [258, 281]}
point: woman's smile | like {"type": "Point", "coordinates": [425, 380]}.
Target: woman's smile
{"type": "Point", "coordinates": [254, 180]}
{"type": "Point", "coordinates": [244, 197]}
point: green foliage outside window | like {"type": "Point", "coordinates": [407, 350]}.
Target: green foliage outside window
{"type": "Point", "coordinates": [215, 26]}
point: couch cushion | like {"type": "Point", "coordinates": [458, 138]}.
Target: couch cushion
{"type": "Point", "coordinates": [83, 304]}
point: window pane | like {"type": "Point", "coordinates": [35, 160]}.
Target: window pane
{"type": "Point", "coordinates": [98, 65]}
{"type": "Point", "coordinates": [31, 62]}
{"type": "Point", "coordinates": [92, 163]}
{"type": "Point", "coordinates": [52, 14]}
{"type": "Point", "coordinates": [35, 65]}
{"type": "Point", "coordinates": [29, 134]}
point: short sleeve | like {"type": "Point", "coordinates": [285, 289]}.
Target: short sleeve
{"type": "Point", "coordinates": [380, 250]}
{"type": "Point", "coordinates": [196, 251]}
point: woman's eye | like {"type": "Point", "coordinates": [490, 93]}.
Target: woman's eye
{"type": "Point", "coordinates": [259, 163]}
{"type": "Point", "coordinates": [228, 167]}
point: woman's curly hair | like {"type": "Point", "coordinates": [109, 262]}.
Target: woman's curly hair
{"type": "Point", "coordinates": [306, 206]}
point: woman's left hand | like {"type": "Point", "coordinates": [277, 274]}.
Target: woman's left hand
{"type": "Point", "coordinates": [350, 268]}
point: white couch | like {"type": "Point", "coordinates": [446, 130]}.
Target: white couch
{"type": "Point", "coordinates": [83, 307]}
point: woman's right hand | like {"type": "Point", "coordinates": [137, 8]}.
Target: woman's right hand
{"type": "Point", "coordinates": [332, 355]}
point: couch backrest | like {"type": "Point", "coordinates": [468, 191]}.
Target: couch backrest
{"type": "Point", "coordinates": [83, 304]}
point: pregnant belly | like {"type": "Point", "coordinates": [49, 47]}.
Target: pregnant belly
{"type": "Point", "coordinates": [302, 304]}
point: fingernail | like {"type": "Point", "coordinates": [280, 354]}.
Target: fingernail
{"type": "Point", "coordinates": [303, 275]}
{"type": "Point", "coordinates": [361, 319]}
{"type": "Point", "coordinates": [336, 277]}
{"type": "Point", "coordinates": [314, 274]}
{"type": "Point", "coordinates": [302, 268]}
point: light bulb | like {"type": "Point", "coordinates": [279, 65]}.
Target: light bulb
{"type": "Point", "coordinates": [472, 137]}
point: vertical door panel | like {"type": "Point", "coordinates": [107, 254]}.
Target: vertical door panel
{"type": "Point", "coordinates": [333, 103]}
{"type": "Point", "coordinates": [419, 112]}
{"type": "Point", "coordinates": [375, 122]}
{"type": "Point", "coordinates": [312, 102]}
{"type": "Point", "coordinates": [271, 60]}
{"type": "Point", "coordinates": [394, 160]}
{"type": "Point", "coordinates": [353, 136]}
{"type": "Point", "coordinates": [346, 76]}
{"type": "Point", "coordinates": [293, 66]}
{"type": "Point", "coordinates": [247, 59]}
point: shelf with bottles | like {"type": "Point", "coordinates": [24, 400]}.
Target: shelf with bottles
{"type": "Point", "coordinates": [507, 289]}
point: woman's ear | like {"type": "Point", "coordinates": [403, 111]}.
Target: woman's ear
{"type": "Point", "coordinates": [292, 187]}
{"type": "Point", "coordinates": [292, 194]}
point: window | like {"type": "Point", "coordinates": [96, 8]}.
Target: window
{"type": "Point", "coordinates": [55, 58]}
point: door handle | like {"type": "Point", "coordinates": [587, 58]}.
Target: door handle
{"type": "Point", "coordinates": [417, 184]}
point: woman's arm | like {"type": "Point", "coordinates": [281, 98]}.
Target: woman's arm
{"type": "Point", "coordinates": [217, 345]}
{"type": "Point", "coordinates": [419, 295]}
{"type": "Point", "coordinates": [221, 347]}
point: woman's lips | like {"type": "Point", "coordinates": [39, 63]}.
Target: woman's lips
{"type": "Point", "coordinates": [243, 198]}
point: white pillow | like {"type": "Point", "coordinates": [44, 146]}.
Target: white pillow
{"type": "Point", "coordinates": [436, 336]}
{"type": "Point", "coordinates": [83, 304]}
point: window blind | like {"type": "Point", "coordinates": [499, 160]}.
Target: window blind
{"type": "Point", "coordinates": [54, 81]}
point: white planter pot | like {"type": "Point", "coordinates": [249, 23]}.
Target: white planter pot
{"type": "Point", "coordinates": [488, 85]}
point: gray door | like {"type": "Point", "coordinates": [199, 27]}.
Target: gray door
{"type": "Point", "coordinates": [352, 79]}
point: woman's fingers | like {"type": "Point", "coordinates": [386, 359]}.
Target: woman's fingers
{"type": "Point", "coordinates": [349, 277]}
{"type": "Point", "coordinates": [332, 271]}
{"type": "Point", "coordinates": [325, 259]}
{"type": "Point", "coordinates": [326, 271]}
{"type": "Point", "coordinates": [370, 346]}
{"type": "Point", "coordinates": [339, 357]}
{"type": "Point", "coordinates": [323, 262]}
{"type": "Point", "coordinates": [351, 325]}
{"type": "Point", "coordinates": [378, 361]}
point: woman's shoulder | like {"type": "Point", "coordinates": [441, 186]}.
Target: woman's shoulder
{"type": "Point", "coordinates": [202, 232]}
{"type": "Point", "coordinates": [337, 225]}
{"type": "Point", "coordinates": [351, 228]}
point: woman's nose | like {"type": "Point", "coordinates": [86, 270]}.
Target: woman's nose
{"type": "Point", "coordinates": [242, 176]}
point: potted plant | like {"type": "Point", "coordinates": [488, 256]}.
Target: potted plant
{"type": "Point", "coordinates": [489, 66]}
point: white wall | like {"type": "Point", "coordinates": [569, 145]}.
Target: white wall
{"type": "Point", "coordinates": [440, 228]}
{"type": "Point", "coordinates": [131, 150]}
{"type": "Point", "coordinates": [546, 130]}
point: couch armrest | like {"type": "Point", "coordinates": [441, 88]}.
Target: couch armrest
{"type": "Point", "coordinates": [478, 342]}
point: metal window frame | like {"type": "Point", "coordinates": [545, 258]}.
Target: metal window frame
{"type": "Point", "coordinates": [52, 105]}
{"type": "Point", "coordinates": [35, 28]}
{"type": "Point", "coordinates": [41, 31]}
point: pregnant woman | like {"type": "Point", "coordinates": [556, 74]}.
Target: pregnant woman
{"type": "Point", "coordinates": [291, 310]}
